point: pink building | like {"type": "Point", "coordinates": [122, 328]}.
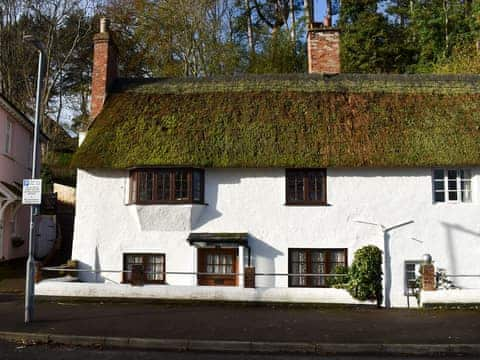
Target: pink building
{"type": "Point", "coordinates": [16, 142]}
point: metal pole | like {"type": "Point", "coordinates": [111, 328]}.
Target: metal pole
{"type": "Point", "coordinates": [34, 209]}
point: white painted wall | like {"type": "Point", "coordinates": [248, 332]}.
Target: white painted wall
{"type": "Point", "coordinates": [252, 200]}
{"type": "Point", "coordinates": [55, 287]}
{"type": "Point", "coordinates": [451, 297]}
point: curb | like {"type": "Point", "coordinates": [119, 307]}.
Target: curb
{"type": "Point", "coordinates": [244, 346]}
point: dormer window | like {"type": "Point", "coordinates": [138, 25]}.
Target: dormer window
{"type": "Point", "coordinates": [167, 186]}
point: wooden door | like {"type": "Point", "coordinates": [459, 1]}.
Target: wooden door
{"type": "Point", "coordinates": [218, 263]}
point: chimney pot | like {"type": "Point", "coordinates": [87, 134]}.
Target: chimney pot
{"type": "Point", "coordinates": [327, 22]}
{"type": "Point", "coordinates": [104, 25]}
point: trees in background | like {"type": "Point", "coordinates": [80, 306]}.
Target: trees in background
{"type": "Point", "coordinates": [407, 35]}
{"type": "Point", "coordinates": [221, 37]}
{"type": "Point", "coordinates": [66, 29]}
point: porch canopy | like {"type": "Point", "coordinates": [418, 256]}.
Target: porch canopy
{"type": "Point", "coordinates": [218, 239]}
{"type": "Point", "coordinates": [9, 193]}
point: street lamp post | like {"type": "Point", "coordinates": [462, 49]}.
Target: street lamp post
{"type": "Point", "coordinates": [34, 209]}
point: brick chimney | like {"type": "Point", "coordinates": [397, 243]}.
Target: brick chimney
{"type": "Point", "coordinates": [323, 46]}
{"type": "Point", "coordinates": [104, 67]}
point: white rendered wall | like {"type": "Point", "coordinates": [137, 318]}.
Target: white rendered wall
{"type": "Point", "coordinates": [252, 200]}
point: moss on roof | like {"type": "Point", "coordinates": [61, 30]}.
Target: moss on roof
{"type": "Point", "coordinates": [288, 121]}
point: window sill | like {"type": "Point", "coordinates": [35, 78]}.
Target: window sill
{"type": "Point", "coordinates": [310, 287]}
{"type": "Point", "coordinates": [166, 203]}
{"type": "Point", "coordinates": [307, 204]}
{"type": "Point", "coordinates": [145, 283]}
{"type": "Point", "coordinates": [452, 203]}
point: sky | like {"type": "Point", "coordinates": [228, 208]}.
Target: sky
{"type": "Point", "coordinates": [320, 10]}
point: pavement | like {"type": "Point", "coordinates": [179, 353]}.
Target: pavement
{"type": "Point", "coordinates": [243, 327]}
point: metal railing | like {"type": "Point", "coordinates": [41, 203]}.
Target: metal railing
{"type": "Point", "coordinates": [61, 269]}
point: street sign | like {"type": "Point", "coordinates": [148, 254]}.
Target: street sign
{"type": "Point", "coordinates": [32, 192]}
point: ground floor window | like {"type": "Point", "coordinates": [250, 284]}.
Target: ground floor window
{"type": "Point", "coordinates": [216, 266]}
{"type": "Point", "coordinates": [412, 277]}
{"type": "Point", "coordinates": [305, 263]}
{"type": "Point", "coordinates": [153, 267]}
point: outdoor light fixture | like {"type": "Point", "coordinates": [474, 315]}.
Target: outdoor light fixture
{"type": "Point", "coordinates": [427, 259]}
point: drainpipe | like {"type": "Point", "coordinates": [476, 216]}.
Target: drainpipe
{"type": "Point", "coordinates": [249, 261]}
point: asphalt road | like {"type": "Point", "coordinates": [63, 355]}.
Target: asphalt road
{"type": "Point", "coordinates": [244, 322]}
{"type": "Point", "coordinates": [9, 351]}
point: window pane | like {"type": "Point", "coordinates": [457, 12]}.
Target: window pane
{"type": "Point", "coordinates": [452, 185]}
{"type": "Point", "coordinates": [466, 185]}
{"type": "Point", "coordinates": [197, 185]}
{"type": "Point", "coordinates": [338, 257]}
{"type": "Point", "coordinates": [163, 185]}
{"type": "Point", "coordinates": [315, 185]}
{"type": "Point", "coordinates": [298, 265]}
{"type": "Point", "coordinates": [295, 186]}
{"type": "Point", "coordinates": [452, 196]}
{"type": "Point", "coordinates": [438, 174]}
{"type": "Point", "coordinates": [439, 197]}
{"type": "Point", "coordinates": [145, 186]}
{"type": "Point", "coordinates": [131, 260]}
{"type": "Point", "coordinates": [466, 196]}
{"type": "Point", "coordinates": [439, 185]}
{"type": "Point", "coordinates": [318, 266]}
{"type": "Point", "coordinates": [181, 185]}
{"type": "Point", "coordinates": [465, 174]}
{"type": "Point", "coordinates": [155, 268]}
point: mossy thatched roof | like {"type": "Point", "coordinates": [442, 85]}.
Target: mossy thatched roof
{"type": "Point", "coordinates": [288, 121]}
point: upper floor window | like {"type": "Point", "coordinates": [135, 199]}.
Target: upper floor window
{"type": "Point", "coordinates": [8, 137]}
{"type": "Point", "coordinates": [167, 186]}
{"type": "Point", "coordinates": [306, 186]}
{"type": "Point", "coordinates": [452, 185]}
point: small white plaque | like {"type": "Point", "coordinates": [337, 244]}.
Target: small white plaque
{"type": "Point", "coordinates": [32, 192]}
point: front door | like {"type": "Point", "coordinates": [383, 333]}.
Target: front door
{"type": "Point", "coordinates": [218, 263]}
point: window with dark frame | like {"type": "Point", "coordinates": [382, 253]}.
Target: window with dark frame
{"type": "Point", "coordinates": [167, 186]}
{"type": "Point", "coordinates": [305, 263]}
{"type": "Point", "coordinates": [306, 186]}
{"type": "Point", "coordinates": [217, 266]}
{"type": "Point", "coordinates": [153, 266]}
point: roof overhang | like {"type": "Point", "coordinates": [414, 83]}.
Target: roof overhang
{"type": "Point", "coordinates": [10, 191]}
{"type": "Point", "coordinates": [218, 239]}
{"type": "Point", "coordinates": [23, 119]}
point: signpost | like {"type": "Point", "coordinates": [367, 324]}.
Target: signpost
{"type": "Point", "coordinates": [32, 188]}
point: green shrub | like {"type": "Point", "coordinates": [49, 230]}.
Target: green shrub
{"type": "Point", "coordinates": [339, 282]}
{"type": "Point", "coordinates": [365, 275]}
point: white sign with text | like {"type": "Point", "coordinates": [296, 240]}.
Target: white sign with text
{"type": "Point", "coordinates": [32, 192]}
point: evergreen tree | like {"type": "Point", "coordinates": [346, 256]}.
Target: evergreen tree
{"type": "Point", "coordinates": [370, 42]}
